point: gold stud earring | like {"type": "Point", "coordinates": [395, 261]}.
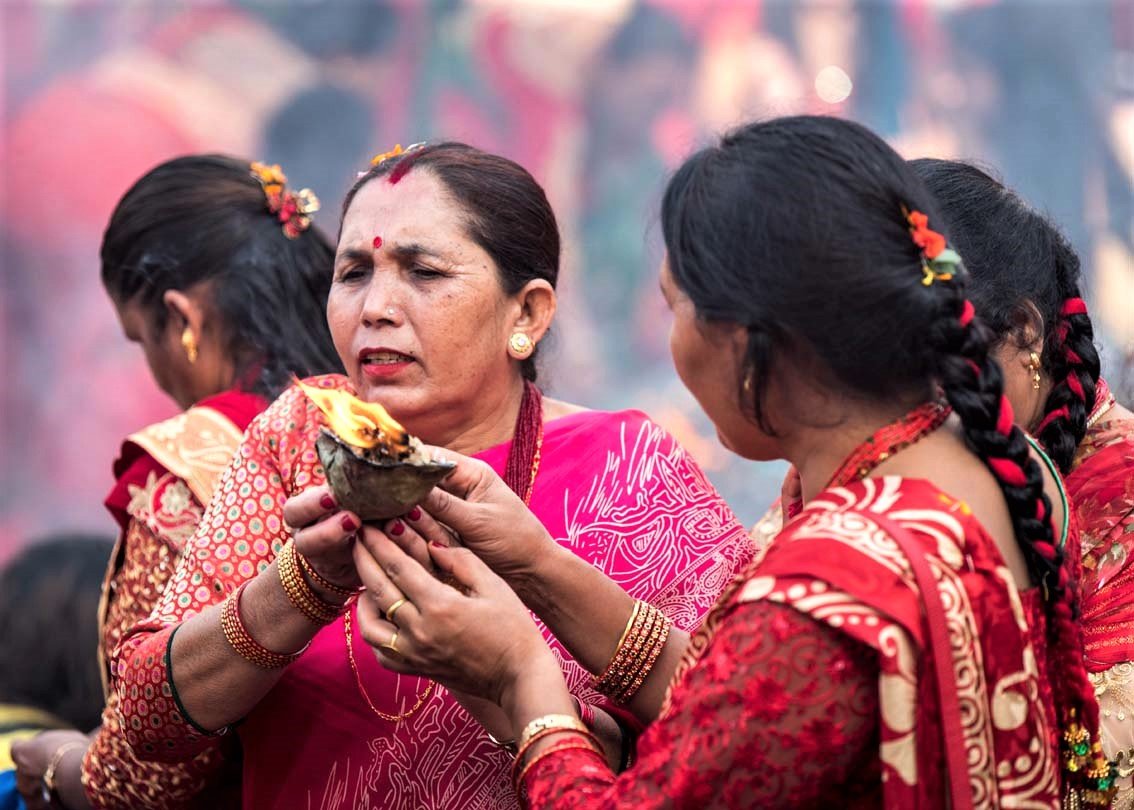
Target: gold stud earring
{"type": "Point", "coordinates": [521, 345]}
{"type": "Point", "coordinates": [1034, 368]}
{"type": "Point", "coordinates": [189, 344]}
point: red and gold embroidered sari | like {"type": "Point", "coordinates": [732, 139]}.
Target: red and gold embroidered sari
{"type": "Point", "coordinates": [165, 474]}
{"type": "Point", "coordinates": [1101, 489]}
{"type": "Point", "coordinates": [812, 683]}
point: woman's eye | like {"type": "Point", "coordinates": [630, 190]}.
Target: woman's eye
{"type": "Point", "coordinates": [427, 272]}
{"type": "Point", "coordinates": [353, 274]}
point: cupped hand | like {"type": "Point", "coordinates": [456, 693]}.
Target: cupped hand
{"type": "Point", "coordinates": [474, 636]}
{"type": "Point", "coordinates": [324, 534]}
{"type": "Point", "coordinates": [487, 516]}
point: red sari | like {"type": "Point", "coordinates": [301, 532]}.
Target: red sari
{"type": "Point", "coordinates": [812, 681]}
{"type": "Point", "coordinates": [1101, 489]}
{"type": "Point", "coordinates": [612, 487]}
{"type": "Point", "coordinates": [165, 474]}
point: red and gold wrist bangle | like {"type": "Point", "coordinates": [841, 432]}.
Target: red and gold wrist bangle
{"type": "Point", "coordinates": [300, 593]}
{"type": "Point", "coordinates": [322, 581]}
{"type": "Point", "coordinates": [638, 650]}
{"type": "Point", "coordinates": [241, 640]}
{"type": "Point", "coordinates": [580, 734]}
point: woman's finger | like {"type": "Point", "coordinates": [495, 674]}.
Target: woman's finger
{"type": "Point", "coordinates": [417, 584]}
{"type": "Point", "coordinates": [429, 529]}
{"type": "Point", "coordinates": [467, 571]}
{"type": "Point", "coordinates": [409, 540]}
{"type": "Point", "coordinates": [333, 533]}
{"type": "Point", "coordinates": [381, 595]}
{"type": "Point", "coordinates": [391, 647]}
{"type": "Point", "coordinates": [309, 506]}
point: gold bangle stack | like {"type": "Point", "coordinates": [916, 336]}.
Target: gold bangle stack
{"type": "Point", "coordinates": [299, 591]}
{"type": "Point", "coordinates": [321, 580]}
{"type": "Point", "coordinates": [642, 642]}
{"type": "Point", "coordinates": [241, 640]}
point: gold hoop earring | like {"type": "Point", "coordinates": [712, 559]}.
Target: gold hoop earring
{"type": "Point", "coordinates": [189, 344]}
{"type": "Point", "coordinates": [1034, 369]}
{"type": "Point", "coordinates": [520, 345]}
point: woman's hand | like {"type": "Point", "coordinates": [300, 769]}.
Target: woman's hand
{"type": "Point", "coordinates": [325, 536]}
{"type": "Point", "coordinates": [475, 637]}
{"type": "Point", "coordinates": [487, 516]}
{"type": "Point", "coordinates": [32, 758]}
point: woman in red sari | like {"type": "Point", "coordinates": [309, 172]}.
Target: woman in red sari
{"type": "Point", "coordinates": [225, 297]}
{"type": "Point", "coordinates": [1025, 284]}
{"type": "Point", "coordinates": [443, 286]}
{"type": "Point", "coordinates": [907, 639]}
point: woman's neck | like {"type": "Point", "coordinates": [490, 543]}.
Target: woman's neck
{"type": "Point", "coordinates": [473, 427]}
{"type": "Point", "coordinates": [818, 452]}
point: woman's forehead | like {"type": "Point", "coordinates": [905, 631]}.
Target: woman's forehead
{"type": "Point", "coordinates": [419, 199]}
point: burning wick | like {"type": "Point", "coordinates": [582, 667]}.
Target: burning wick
{"type": "Point", "coordinates": [377, 242]}
{"type": "Point", "coordinates": [365, 425]}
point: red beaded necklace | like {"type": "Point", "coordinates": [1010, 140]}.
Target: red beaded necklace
{"type": "Point", "coordinates": [527, 444]}
{"type": "Point", "coordinates": [890, 439]}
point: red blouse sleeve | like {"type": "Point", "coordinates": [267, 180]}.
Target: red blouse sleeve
{"type": "Point", "coordinates": [240, 534]}
{"type": "Point", "coordinates": [779, 710]}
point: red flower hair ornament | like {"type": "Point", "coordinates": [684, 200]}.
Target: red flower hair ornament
{"type": "Point", "coordinates": [938, 261]}
{"type": "Point", "coordinates": [292, 208]}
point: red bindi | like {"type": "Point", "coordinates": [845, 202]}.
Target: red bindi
{"type": "Point", "coordinates": [377, 242]}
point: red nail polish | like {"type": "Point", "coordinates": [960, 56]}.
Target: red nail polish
{"type": "Point", "coordinates": [397, 528]}
{"type": "Point", "coordinates": [414, 514]}
{"type": "Point", "coordinates": [327, 502]}
{"type": "Point", "coordinates": [348, 524]}
{"type": "Point", "coordinates": [435, 544]}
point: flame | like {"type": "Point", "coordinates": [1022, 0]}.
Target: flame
{"type": "Point", "coordinates": [362, 424]}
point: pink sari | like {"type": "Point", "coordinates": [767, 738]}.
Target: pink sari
{"type": "Point", "coordinates": [613, 487]}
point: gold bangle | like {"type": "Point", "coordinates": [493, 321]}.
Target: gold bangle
{"type": "Point", "coordinates": [614, 678]}
{"type": "Point", "coordinates": [56, 760]}
{"type": "Point", "coordinates": [658, 637]}
{"type": "Point", "coordinates": [300, 593]}
{"type": "Point", "coordinates": [555, 748]}
{"type": "Point", "coordinates": [238, 637]}
{"type": "Point", "coordinates": [321, 580]}
{"type": "Point", "coordinates": [550, 722]}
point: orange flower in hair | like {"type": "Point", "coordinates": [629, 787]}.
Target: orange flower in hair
{"type": "Point", "coordinates": [397, 150]}
{"type": "Point", "coordinates": [930, 241]}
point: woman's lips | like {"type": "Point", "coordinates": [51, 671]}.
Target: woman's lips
{"type": "Point", "coordinates": [382, 364]}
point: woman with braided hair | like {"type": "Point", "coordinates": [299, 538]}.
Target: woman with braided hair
{"type": "Point", "coordinates": [1025, 284]}
{"type": "Point", "coordinates": [908, 638]}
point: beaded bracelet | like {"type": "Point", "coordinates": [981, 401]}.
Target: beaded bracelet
{"type": "Point", "coordinates": [241, 640]}
{"type": "Point", "coordinates": [638, 650]}
{"type": "Point", "coordinates": [300, 593]}
{"type": "Point", "coordinates": [322, 581]}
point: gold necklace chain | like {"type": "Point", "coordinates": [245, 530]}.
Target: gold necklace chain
{"type": "Point", "coordinates": [391, 718]}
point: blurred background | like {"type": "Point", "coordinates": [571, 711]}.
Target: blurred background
{"type": "Point", "coordinates": [599, 99]}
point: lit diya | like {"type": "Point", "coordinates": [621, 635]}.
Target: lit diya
{"type": "Point", "coordinates": [375, 468]}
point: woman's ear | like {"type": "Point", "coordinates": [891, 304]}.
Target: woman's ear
{"type": "Point", "coordinates": [1027, 331]}
{"type": "Point", "coordinates": [184, 313]}
{"type": "Point", "coordinates": [537, 302]}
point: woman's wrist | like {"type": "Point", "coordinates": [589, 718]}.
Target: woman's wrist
{"type": "Point", "coordinates": [534, 689]}
{"type": "Point", "coordinates": [530, 578]}
{"type": "Point", "coordinates": [68, 778]}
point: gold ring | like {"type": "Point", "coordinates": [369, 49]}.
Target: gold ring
{"type": "Point", "coordinates": [392, 609]}
{"type": "Point", "coordinates": [392, 645]}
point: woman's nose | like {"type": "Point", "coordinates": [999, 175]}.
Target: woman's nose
{"type": "Point", "coordinates": [381, 304]}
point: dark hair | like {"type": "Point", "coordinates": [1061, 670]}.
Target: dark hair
{"type": "Point", "coordinates": [794, 228]}
{"type": "Point", "coordinates": [49, 597]}
{"type": "Point", "coordinates": [506, 211]}
{"type": "Point", "coordinates": [204, 218]}
{"type": "Point", "coordinates": [1016, 257]}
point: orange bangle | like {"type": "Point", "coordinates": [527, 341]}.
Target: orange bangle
{"type": "Point", "coordinates": [241, 640]}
